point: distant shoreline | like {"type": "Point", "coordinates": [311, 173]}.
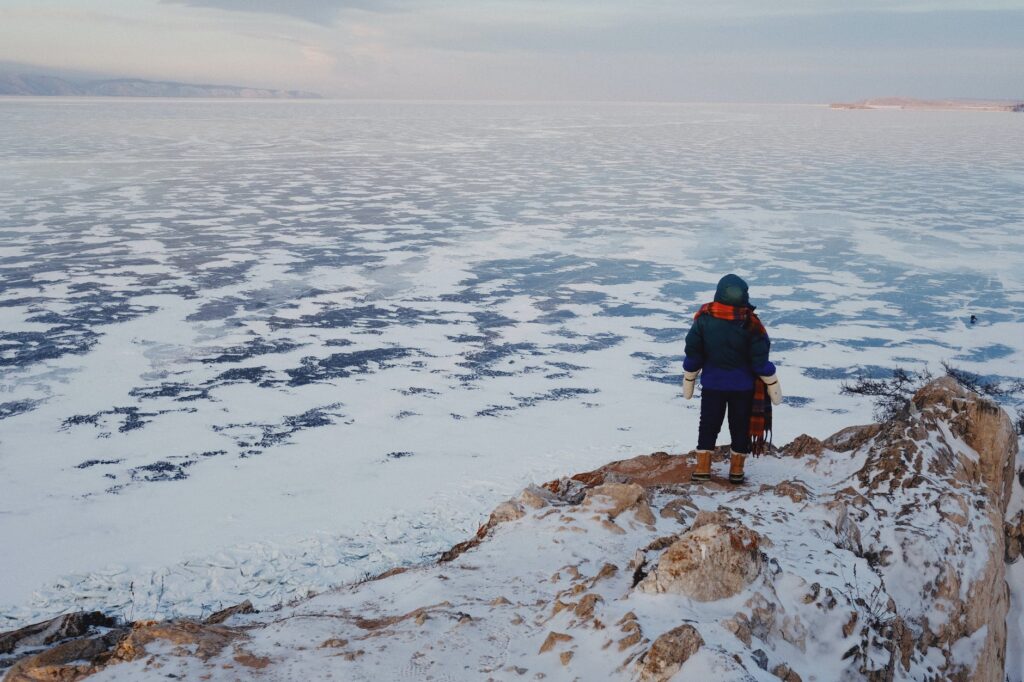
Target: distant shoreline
{"type": "Point", "coordinates": [902, 103]}
{"type": "Point", "coordinates": [32, 85]}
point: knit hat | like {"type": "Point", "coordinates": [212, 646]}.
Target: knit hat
{"type": "Point", "coordinates": [732, 290]}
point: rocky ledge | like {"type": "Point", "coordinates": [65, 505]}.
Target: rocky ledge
{"type": "Point", "coordinates": [877, 554]}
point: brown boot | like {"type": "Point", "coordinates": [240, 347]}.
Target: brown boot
{"type": "Point", "coordinates": [703, 470]}
{"type": "Point", "coordinates": [736, 467]}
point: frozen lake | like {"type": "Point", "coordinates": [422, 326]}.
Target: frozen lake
{"type": "Point", "coordinates": [251, 349]}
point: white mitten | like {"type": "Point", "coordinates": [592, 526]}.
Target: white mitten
{"type": "Point", "coordinates": [689, 381]}
{"type": "Point", "coordinates": [774, 388]}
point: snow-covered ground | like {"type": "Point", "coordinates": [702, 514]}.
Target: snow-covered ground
{"type": "Point", "coordinates": [249, 350]}
{"type": "Point", "coordinates": [873, 556]}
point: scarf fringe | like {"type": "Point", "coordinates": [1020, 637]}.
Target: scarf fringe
{"type": "Point", "coordinates": [759, 445]}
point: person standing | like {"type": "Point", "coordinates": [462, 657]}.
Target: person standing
{"type": "Point", "coordinates": [728, 347]}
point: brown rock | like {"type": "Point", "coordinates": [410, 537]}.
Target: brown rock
{"type": "Point", "coordinates": [1014, 537]}
{"type": "Point", "coordinates": [560, 606]}
{"type": "Point", "coordinates": [629, 626]}
{"type": "Point", "coordinates": [852, 437]}
{"type": "Point", "coordinates": [739, 625]}
{"type": "Point", "coordinates": [658, 544]}
{"type": "Point", "coordinates": [680, 509]}
{"type": "Point", "coordinates": [762, 616]}
{"type": "Point", "coordinates": [67, 662]}
{"type": "Point", "coordinates": [614, 499]}
{"type": "Point", "coordinates": [397, 570]}
{"type": "Point", "coordinates": [204, 641]}
{"type": "Point", "coordinates": [334, 643]}
{"type": "Point", "coordinates": [606, 571]}
{"type": "Point", "coordinates": [565, 657]}
{"type": "Point", "coordinates": [54, 630]}
{"type": "Point", "coordinates": [657, 469]}
{"type": "Point", "coordinates": [705, 518]}
{"type": "Point", "coordinates": [785, 673]}
{"type": "Point", "coordinates": [552, 641]}
{"type": "Point", "coordinates": [509, 510]}
{"type": "Point", "coordinates": [630, 616]}
{"type": "Point", "coordinates": [850, 624]}
{"type": "Point", "coordinates": [794, 632]}
{"type": "Point", "coordinates": [632, 639]}
{"type": "Point", "coordinates": [388, 621]}
{"type": "Point", "coordinates": [534, 497]}
{"type": "Point", "coordinates": [224, 614]}
{"type": "Point", "coordinates": [803, 445]}
{"type": "Point", "coordinates": [794, 490]}
{"type": "Point", "coordinates": [251, 660]}
{"type": "Point", "coordinates": [710, 562]}
{"type": "Point", "coordinates": [566, 490]}
{"type": "Point", "coordinates": [612, 527]}
{"type": "Point", "coordinates": [668, 653]}
{"type": "Point", "coordinates": [585, 608]}
{"type": "Point", "coordinates": [847, 532]}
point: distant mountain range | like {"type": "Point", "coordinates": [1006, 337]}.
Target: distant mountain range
{"type": "Point", "coordinates": [911, 103]}
{"type": "Point", "coordinates": [36, 84]}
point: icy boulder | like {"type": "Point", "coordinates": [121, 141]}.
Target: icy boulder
{"type": "Point", "coordinates": [668, 653]}
{"type": "Point", "coordinates": [612, 500]}
{"type": "Point", "coordinates": [713, 561]}
{"type": "Point", "coordinates": [875, 554]}
{"type": "Point", "coordinates": [928, 513]}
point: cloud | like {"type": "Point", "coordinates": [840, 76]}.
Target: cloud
{"type": "Point", "coordinates": [80, 17]}
{"type": "Point", "coordinates": [677, 33]}
{"type": "Point", "coordinates": [323, 12]}
{"type": "Point", "coordinates": [318, 57]}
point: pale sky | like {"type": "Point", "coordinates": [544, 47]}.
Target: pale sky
{"type": "Point", "coordinates": [679, 50]}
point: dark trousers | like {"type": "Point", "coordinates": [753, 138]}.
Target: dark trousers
{"type": "Point", "coordinates": [713, 406]}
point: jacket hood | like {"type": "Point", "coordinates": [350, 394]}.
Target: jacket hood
{"type": "Point", "coordinates": [732, 290]}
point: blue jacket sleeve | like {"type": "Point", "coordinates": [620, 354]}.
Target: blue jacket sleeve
{"type": "Point", "coordinates": [694, 350]}
{"type": "Point", "coordinates": [760, 346]}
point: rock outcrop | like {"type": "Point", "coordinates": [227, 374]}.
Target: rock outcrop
{"type": "Point", "coordinates": [950, 466]}
{"type": "Point", "coordinates": [668, 653]}
{"type": "Point", "coordinates": [875, 554]}
{"type": "Point", "coordinates": [94, 642]}
{"type": "Point", "coordinates": [709, 562]}
{"type": "Point", "coordinates": [58, 629]}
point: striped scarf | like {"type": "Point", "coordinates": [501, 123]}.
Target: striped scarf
{"type": "Point", "coordinates": [761, 411]}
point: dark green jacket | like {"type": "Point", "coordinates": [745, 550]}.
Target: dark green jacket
{"type": "Point", "coordinates": [729, 354]}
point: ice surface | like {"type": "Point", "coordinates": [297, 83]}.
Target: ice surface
{"type": "Point", "coordinates": [220, 322]}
